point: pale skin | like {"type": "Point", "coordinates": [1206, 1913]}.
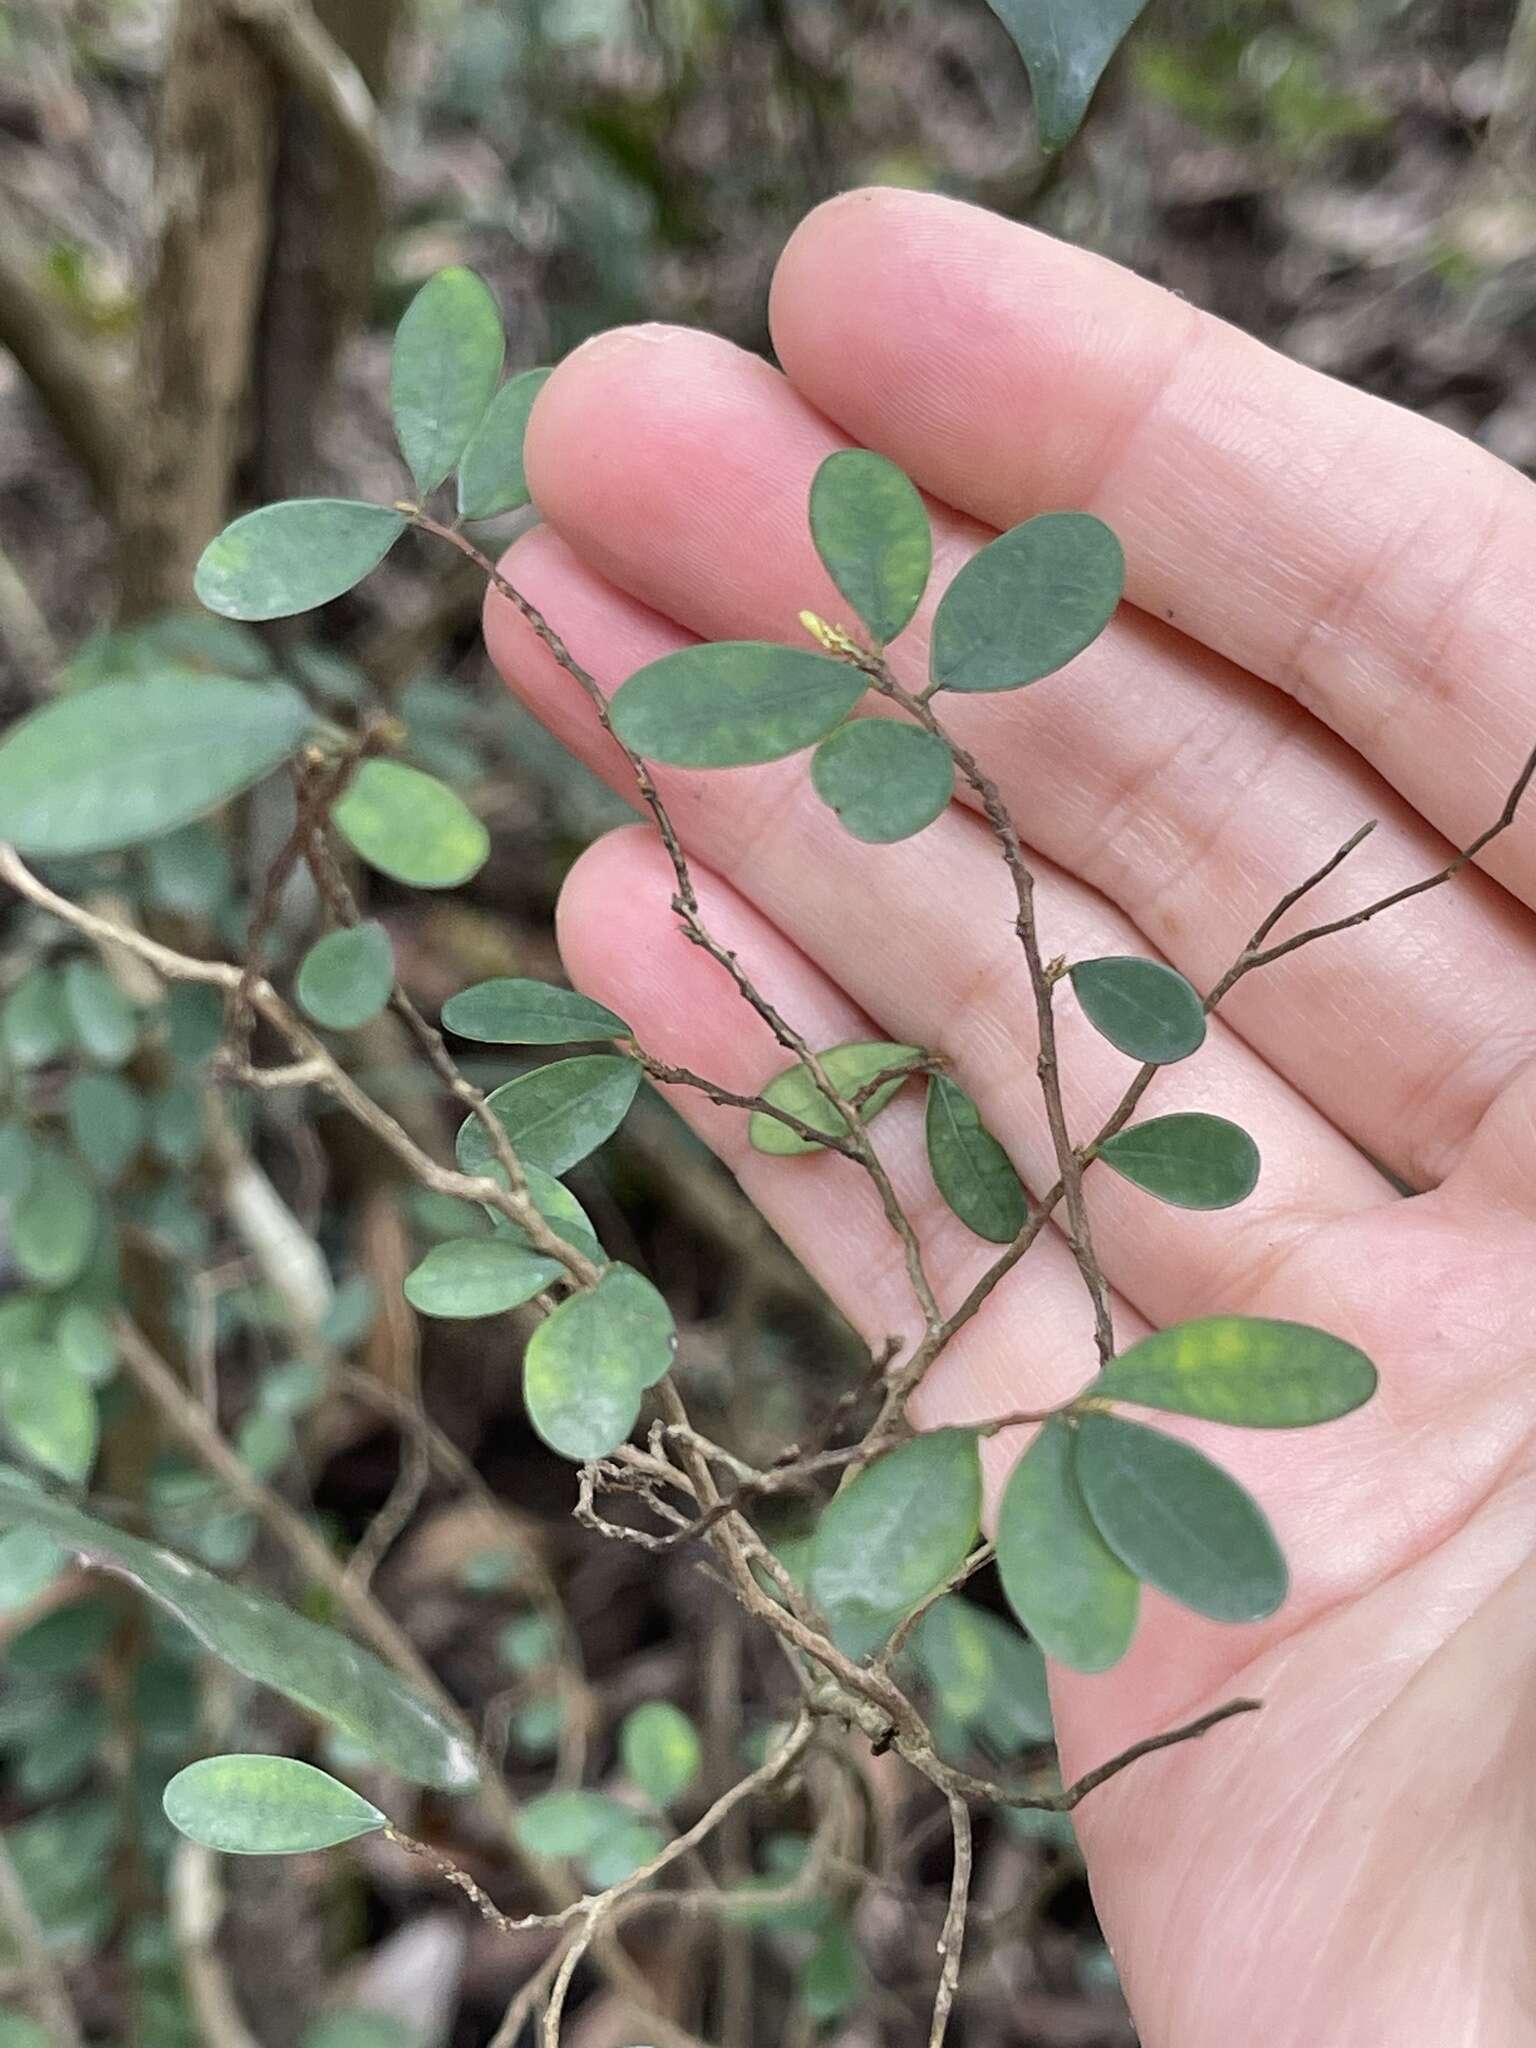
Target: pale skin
{"type": "Point", "coordinates": [1331, 617]}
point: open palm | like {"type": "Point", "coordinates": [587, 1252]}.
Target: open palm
{"type": "Point", "coordinates": [1332, 610]}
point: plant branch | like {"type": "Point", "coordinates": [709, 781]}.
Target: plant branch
{"type": "Point", "coordinates": [84, 403]}
{"type": "Point", "coordinates": [296, 45]}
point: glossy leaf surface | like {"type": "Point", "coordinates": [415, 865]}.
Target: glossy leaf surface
{"type": "Point", "coordinates": [265, 1806]}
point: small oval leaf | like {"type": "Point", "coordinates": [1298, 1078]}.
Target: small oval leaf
{"type": "Point", "coordinates": [734, 703]}
{"type": "Point", "coordinates": [1143, 1008]}
{"type": "Point", "coordinates": [266, 1806]}
{"type": "Point", "coordinates": [1027, 604]}
{"type": "Point", "coordinates": [660, 1751]}
{"type": "Point", "coordinates": [850, 1068]}
{"type": "Point", "coordinates": [411, 826]}
{"type": "Point", "coordinates": [1178, 1521]}
{"type": "Point", "coordinates": [871, 530]}
{"type": "Point", "coordinates": [315, 1666]}
{"type": "Point", "coordinates": [48, 1411]}
{"type": "Point", "coordinates": [35, 1023]}
{"type": "Point", "coordinates": [569, 1823]}
{"type": "Point", "coordinates": [104, 1022]}
{"type": "Point", "coordinates": [478, 1276]}
{"type": "Point", "coordinates": [559, 1208]}
{"type": "Point", "coordinates": [491, 475]}
{"type": "Point", "coordinates": [557, 1114]}
{"type": "Point", "coordinates": [125, 762]}
{"type": "Point", "coordinates": [107, 1120]}
{"type": "Point", "coordinates": [1062, 1580]}
{"type": "Point", "coordinates": [588, 1363]}
{"type": "Point", "coordinates": [345, 978]}
{"type": "Point", "coordinates": [884, 780]}
{"type": "Point", "coordinates": [902, 1527]}
{"type": "Point", "coordinates": [443, 371]}
{"type": "Point", "coordinates": [53, 1225]}
{"type": "Point", "coordinates": [513, 1011]}
{"type": "Point", "coordinates": [972, 1171]}
{"type": "Point", "coordinates": [1189, 1159]}
{"type": "Point", "coordinates": [290, 557]}
{"type": "Point", "coordinates": [1249, 1370]}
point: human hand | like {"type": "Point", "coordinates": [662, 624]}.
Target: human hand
{"type": "Point", "coordinates": [1331, 611]}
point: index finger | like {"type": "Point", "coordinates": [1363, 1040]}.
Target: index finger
{"type": "Point", "coordinates": [1372, 564]}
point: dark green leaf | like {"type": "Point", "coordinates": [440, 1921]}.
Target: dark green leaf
{"type": "Point", "coordinates": [832, 1979]}
{"type": "Point", "coordinates": [444, 370]}
{"type": "Point", "coordinates": [557, 1114]}
{"type": "Point", "coordinates": [734, 703]}
{"type": "Point", "coordinates": [1143, 1008]}
{"type": "Point", "coordinates": [559, 1208]}
{"type": "Point", "coordinates": [290, 557]}
{"type": "Point", "coordinates": [871, 530]}
{"type": "Point", "coordinates": [1066, 45]}
{"type": "Point", "coordinates": [972, 1171]}
{"type": "Point", "coordinates": [885, 781]}
{"type": "Point", "coordinates": [48, 1411]}
{"type": "Point", "coordinates": [905, 1525]}
{"type": "Point", "coordinates": [1027, 604]}
{"type": "Point", "coordinates": [106, 1121]}
{"type": "Point", "coordinates": [104, 1022]}
{"type": "Point", "coordinates": [124, 763]}
{"type": "Point", "coordinates": [1243, 1369]}
{"type": "Point", "coordinates": [478, 1276]}
{"type": "Point", "coordinates": [345, 978]}
{"type": "Point", "coordinates": [491, 478]}
{"type": "Point", "coordinates": [318, 1668]}
{"type": "Point", "coordinates": [588, 1363]}
{"type": "Point", "coordinates": [1178, 1521]}
{"type": "Point", "coordinates": [35, 1025]}
{"type": "Point", "coordinates": [411, 826]}
{"type": "Point", "coordinates": [266, 1806]}
{"type": "Point", "coordinates": [1190, 1159]}
{"type": "Point", "coordinates": [518, 1012]}
{"type": "Point", "coordinates": [1068, 1588]}
{"type": "Point", "coordinates": [660, 1750]}
{"type": "Point", "coordinates": [569, 1823]}
{"type": "Point", "coordinates": [54, 1223]}
{"type": "Point", "coordinates": [849, 1068]}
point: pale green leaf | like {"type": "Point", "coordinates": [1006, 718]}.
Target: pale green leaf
{"type": "Point", "coordinates": [345, 978]}
{"type": "Point", "coordinates": [266, 1806]}
{"type": "Point", "coordinates": [29, 1562]}
{"type": "Point", "coordinates": [1027, 604]}
{"type": "Point", "coordinates": [1066, 46]}
{"type": "Point", "coordinates": [444, 371]}
{"type": "Point", "coordinates": [970, 1168]}
{"type": "Point", "coordinates": [84, 1341]}
{"type": "Point", "coordinates": [513, 1011]}
{"type": "Point", "coordinates": [491, 475]}
{"type": "Point", "coordinates": [556, 1204]}
{"type": "Point", "coordinates": [1062, 1580]}
{"type": "Point", "coordinates": [478, 1276]}
{"type": "Point", "coordinates": [587, 1365]}
{"type": "Point", "coordinates": [1249, 1370]}
{"type": "Point", "coordinates": [557, 1114]}
{"type": "Point", "coordinates": [901, 1528]}
{"type": "Point", "coordinates": [1178, 1521]}
{"type": "Point", "coordinates": [660, 1750]}
{"type": "Point", "coordinates": [123, 763]}
{"type": "Point", "coordinates": [411, 826]}
{"type": "Point", "coordinates": [290, 557]}
{"type": "Point", "coordinates": [734, 703]}
{"type": "Point", "coordinates": [49, 1412]}
{"type": "Point", "coordinates": [1143, 1008]}
{"type": "Point", "coordinates": [53, 1224]}
{"type": "Point", "coordinates": [569, 1823]}
{"type": "Point", "coordinates": [833, 1978]}
{"type": "Point", "coordinates": [356, 2028]}
{"type": "Point", "coordinates": [1189, 1159]}
{"type": "Point", "coordinates": [886, 781]}
{"type": "Point", "coordinates": [619, 1855]}
{"type": "Point", "coordinates": [871, 530]}
{"type": "Point", "coordinates": [317, 1667]}
{"type": "Point", "coordinates": [850, 1068]}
